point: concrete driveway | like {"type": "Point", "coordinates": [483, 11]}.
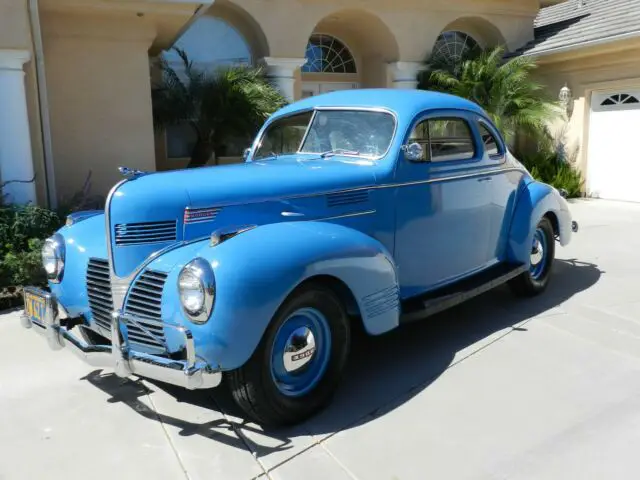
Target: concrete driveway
{"type": "Point", "coordinates": [547, 388]}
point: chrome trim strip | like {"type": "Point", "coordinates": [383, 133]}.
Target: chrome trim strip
{"type": "Point", "coordinates": [494, 171]}
{"type": "Point", "coordinates": [308, 129]}
{"type": "Point", "coordinates": [115, 281]}
{"type": "Point", "coordinates": [346, 215]}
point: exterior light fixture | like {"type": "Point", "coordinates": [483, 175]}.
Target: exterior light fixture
{"type": "Point", "coordinates": [565, 97]}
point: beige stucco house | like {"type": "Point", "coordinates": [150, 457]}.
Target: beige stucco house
{"type": "Point", "coordinates": [75, 74]}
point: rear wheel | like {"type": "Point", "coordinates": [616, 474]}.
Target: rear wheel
{"type": "Point", "coordinates": [536, 279]}
{"type": "Point", "coordinates": [299, 361]}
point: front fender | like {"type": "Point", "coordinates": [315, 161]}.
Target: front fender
{"type": "Point", "coordinates": [535, 200]}
{"type": "Point", "coordinates": [256, 271]}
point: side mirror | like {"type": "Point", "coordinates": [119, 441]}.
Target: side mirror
{"type": "Point", "coordinates": [245, 154]}
{"type": "Point", "coordinates": [413, 152]}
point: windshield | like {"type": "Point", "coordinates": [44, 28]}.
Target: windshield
{"type": "Point", "coordinates": [350, 132]}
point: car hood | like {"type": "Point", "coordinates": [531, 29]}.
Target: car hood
{"type": "Point", "coordinates": [238, 183]}
{"type": "Point", "coordinates": [249, 193]}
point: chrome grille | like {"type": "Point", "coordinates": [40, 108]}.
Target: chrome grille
{"type": "Point", "coordinates": [99, 292]}
{"type": "Point", "coordinates": [145, 302]}
{"type": "Point", "coordinates": [146, 232]}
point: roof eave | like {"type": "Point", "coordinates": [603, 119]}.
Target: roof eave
{"type": "Point", "coordinates": [577, 46]}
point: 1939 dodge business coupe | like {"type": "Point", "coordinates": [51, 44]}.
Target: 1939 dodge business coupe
{"type": "Point", "coordinates": [371, 206]}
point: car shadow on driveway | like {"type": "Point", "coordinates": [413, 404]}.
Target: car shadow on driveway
{"type": "Point", "coordinates": [383, 373]}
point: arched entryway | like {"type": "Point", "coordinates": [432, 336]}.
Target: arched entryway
{"type": "Point", "coordinates": [347, 49]}
{"type": "Point", "coordinates": [225, 36]}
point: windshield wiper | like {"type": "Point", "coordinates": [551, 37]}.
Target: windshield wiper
{"type": "Point", "coordinates": [339, 151]}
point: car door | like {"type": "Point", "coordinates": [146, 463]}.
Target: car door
{"type": "Point", "coordinates": [503, 184]}
{"type": "Point", "coordinates": [443, 207]}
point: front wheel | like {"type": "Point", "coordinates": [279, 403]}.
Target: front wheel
{"type": "Point", "coordinates": [536, 279]}
{"type": "Point", "coordinates": [299, 361]}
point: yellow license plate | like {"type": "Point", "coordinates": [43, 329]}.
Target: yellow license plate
{"type": "Point", "coordinates": [35, 306]}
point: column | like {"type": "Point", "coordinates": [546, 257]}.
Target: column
{"type": "Point", "coordinates": [282, 72]}
{"type": "Point", "coordinates": [404, 74]}
{"type": "Point", "coordinates": [16, 159]}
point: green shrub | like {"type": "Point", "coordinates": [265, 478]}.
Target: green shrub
{"type": "Point", "coordinates": [549, 168]}
{"type": "Point", "coordinates": [22, 231]}
{"type": "Point", "coordinates": [19, 268]}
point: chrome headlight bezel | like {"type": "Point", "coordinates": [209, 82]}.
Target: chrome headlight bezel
{"type": "Point", "coordinates": [201, 270]}
{"type": "Point", "coordinates": [54, 252]}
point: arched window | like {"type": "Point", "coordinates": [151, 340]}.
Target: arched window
{"type": "Point", "coordinates": [452, 46]}
{"type": "Point", "coordinates": [327, 54]}
{"type": "Point", "coordinates": [210, 43]}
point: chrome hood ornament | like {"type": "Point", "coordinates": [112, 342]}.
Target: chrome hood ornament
{"type": "Point", "coordinates": [130, 172]}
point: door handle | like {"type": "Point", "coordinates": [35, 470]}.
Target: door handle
{"type": "Point", "coordinates": [485, 179]}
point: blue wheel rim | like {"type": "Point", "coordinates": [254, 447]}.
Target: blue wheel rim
{"type": "Point", "coordinates": [309, 362]}
{"type": "Point", "coordinates": [539, 254]}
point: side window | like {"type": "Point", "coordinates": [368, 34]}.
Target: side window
{"type": "Point", "coordinates": [450, 139]}
{"type": "Point", "coordinates": [420, 134]}
{"type": "Point", "coordinates": [489, 141]}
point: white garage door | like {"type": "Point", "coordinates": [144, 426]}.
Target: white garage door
{"type": "Point", "coordinates": [613, 164]}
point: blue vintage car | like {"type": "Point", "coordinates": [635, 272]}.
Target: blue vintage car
{"type": "Point", "coordinates": [371, 206]}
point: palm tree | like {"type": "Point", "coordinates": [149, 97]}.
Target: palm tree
{"type": "Point", "coordinates": [505, 89]}
{"type": "Point", "coordinates": [219, 106]}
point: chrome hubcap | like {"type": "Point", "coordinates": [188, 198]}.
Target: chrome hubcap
{"type": "Point", "coordinates": [537, 252]}
{"type": "Point", "coordinates": [299, 349]}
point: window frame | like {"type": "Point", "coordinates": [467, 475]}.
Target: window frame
{"type": "Point", "coordinates": [502, 149]}
{"type": "Point", "coordinates": [460, 115]}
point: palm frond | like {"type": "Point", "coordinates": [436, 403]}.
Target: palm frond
{"type": "Point", "coordinates": [505, 90]}
{"type": "Point", "coordinates": [219, 105]}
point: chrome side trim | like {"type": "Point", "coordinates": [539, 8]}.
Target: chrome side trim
{"type": "Point", "coordinates": [117, 285]}
{"type": "Point", "coordinates": [482, 173]}
{"type": "Point", "coordinates": [217, 236]}
{"type": "Point", "coordinates": [346, 215]}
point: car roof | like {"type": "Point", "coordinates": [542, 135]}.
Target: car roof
{"type": "Point", "coordinates": [404, 102]}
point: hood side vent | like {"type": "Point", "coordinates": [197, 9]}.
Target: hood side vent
{"type": "Point", "coordinates": [347, 198]}
{"type": "Point", "coordinates": [199, 215]}
{"type": "Point", "coordinates": [146, 232]}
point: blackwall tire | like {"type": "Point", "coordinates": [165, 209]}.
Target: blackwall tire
{"type": "Point", "coordinates": [277, 388]}
{"type": "Point", "coordinates": [536, 279]}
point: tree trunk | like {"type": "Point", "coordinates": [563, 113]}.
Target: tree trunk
{"type": "Point", "coordinates": [200, 154]}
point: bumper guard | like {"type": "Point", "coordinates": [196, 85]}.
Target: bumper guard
{"type": "Point", "coordinates": [190, 373]}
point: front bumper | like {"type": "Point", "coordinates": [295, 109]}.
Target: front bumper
{"type": "Point", "coordinates": [190, 373]}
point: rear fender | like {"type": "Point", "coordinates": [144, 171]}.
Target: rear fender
{"type": "Point", "coordinates": [536, 200]}
{"type": "Point", "coordinates": [256, 270]}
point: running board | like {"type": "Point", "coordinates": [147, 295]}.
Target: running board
{"type": "Point", "coordinates": [417, 308]}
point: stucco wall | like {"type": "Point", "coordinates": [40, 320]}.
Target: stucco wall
{"type": "Point", "coordinates": [14, 24]}
{"type": "Point", "coordinates": [607, 67]}
{"type": "Point", "coordinates": [99, 96]}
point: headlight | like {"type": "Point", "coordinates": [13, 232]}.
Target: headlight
{"type": "Point", "coordinates": [53, 253]}
{"type": "Point", "coordinates": [196, 286]}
